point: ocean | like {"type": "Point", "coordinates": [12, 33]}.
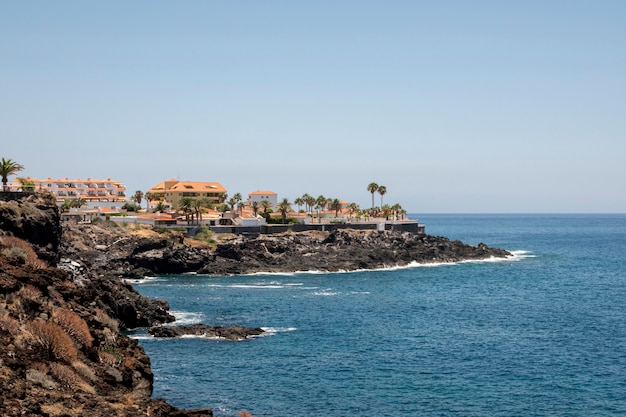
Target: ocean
{"type": "Point", "coordinates": [541, 334]}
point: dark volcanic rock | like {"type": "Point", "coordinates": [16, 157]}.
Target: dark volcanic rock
{"type": "Point", "coordinates": [36, 220]}
{"type": "Point", "coordinates": [224, 332]}
{"type": "Point", "coordinates": [61, 352]}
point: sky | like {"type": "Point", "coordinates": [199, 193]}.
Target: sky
{"type": "Point", "coordinates": [454, 106]}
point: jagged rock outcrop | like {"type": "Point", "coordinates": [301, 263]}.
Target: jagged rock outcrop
{"type": "Point", "coordinates": [203, 330]}
{"type": "Point", "coordinates": [131, 254]}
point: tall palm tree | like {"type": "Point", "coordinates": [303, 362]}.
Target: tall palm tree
{"type": "Point", "coordinates": [284, 207]}
{"type": "Point", "coordinates": [185, 207]}
{"type": "Point", "coordinates": [320, 203]}
{"type": "Point", "coordinates": [255, 207]}
{"type": "Point", "coordinates": [372, 188]}
{"type": "Point", "coordinates": [298, 202]}
{"type": "Point", "coordinates": [8, 168]}
{"type": "Point", "coordinates": [138, 197]}
{"type": "Point", "coordinates": [305, 200]}
{"type": "Point", "coordinates": [335, 204]}
{"type": "Point", "coordinates": [197, 206]}
{"type": "Point", "coordinates": [382, 190]}
{"type": "Point", "coordinates": [310, 201]}
{"type": "Point", "coordinates": [266, 206]}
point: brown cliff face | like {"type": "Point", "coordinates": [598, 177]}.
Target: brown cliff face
{"type": "Point", "coordinates": [61, 351]}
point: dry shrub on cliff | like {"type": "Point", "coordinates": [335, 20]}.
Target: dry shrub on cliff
{"type": "Point", "coordinates": [39, 377]}
{"type": "Point", "coordinates": [73, 325]}
{"type": "Point", "coordinates": [21, 252]}
{"type": "Point", "coordinates": [30, 292]}
{"type": "Point", "coordinates": [107, 321]}
{"type": "Point", "coordinates": [53, 339]}
{"type": "Point", "coordinates": [84, 370]}
{"type": "Point", "coordinates": [110, 356]}
{"type": "Point", "coordinates": [67, 377]}
{"type": "Point", "coordinates": [9, 324]}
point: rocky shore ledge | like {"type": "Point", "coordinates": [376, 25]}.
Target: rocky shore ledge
{"type": "Point", "coordinates": [65, 301]}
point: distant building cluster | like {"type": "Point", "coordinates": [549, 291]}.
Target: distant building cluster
{"type": "Point", "coordinates": [89, 190]}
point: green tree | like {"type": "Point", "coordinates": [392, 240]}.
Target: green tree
{"type": "Point", "coordinates": [284, 207]}
{"type": "Point", "coordinates": [8, 168]}
{"type": "Point", "coordinates": [266, 206]}
{"type": "Point", "coordinates": [382, 190]}
{"type": "Point", "coordinates": [26, 184]}
{"type": "Point", "coordinates": [353, 208]}
{"type": "Point", "coordinates": [320, 204]}
{"type": "Point", "coordinates": [298, 202]}
{"type": "Point", "coordinates": [310, 201]}
{"type": "Point", "coordinates": [160, 207]}
{"type": "Point", "coordinates": [335, 204]}
{"type": "Point", "coordinates": [372, 188]}
{"type": "Point", "coordinates": [78, 202]}
{"type": "Point", "coordinates": [67, 205]}
{"type": "Point", "coordinates": [255, 207]}
{"type": "Point", "coordinates": [186, 207]}
{"type": "Point", "coordinates": [138, 197]}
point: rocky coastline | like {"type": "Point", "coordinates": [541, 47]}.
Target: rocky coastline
{"type": "Point", "coordinates": [65, 300]}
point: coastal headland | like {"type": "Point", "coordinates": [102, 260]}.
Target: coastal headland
{"type": "Point", "coordinates": [65, 300]}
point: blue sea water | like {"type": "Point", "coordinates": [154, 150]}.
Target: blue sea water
{"type": "Point", "coordinates": [543, 334]}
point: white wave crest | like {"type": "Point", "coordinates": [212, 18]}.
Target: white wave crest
{"type": "Point", "coordinates": [270, 331]}
{"type": "Point", "coordinates": [186, 317]}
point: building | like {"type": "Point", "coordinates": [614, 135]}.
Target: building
{"type": "Point", "coordinates": [64, 188]}
{"type": "Point", "coordinates": [171, 192]}
{"type": "Point", "coordinates": [260, 196]}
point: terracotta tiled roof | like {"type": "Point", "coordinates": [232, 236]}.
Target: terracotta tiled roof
{"type": "Point", "coordinates": [261, 192]}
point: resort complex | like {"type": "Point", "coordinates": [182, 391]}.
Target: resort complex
{"type": "Point", "coordinates": [64, 188]}
{"type": "Point", "coordinates": [194, 205]}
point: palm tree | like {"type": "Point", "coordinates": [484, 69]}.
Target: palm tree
{"type": "Point", "coordinates": [335, 204]}
{"type": "Point", "coordinates": [197, 206]}
{"type": "Point", "coordinates": [66, 206]}
{"type": "Point", "coordinates": [221, 198]}
{"type": "Point", "coordinates": [138, 197]}
{"type": "Point", "coordinates": [372, 188]}
{"type": "Point", "coordinates": [232, 202]}
{"type": "Point", "coordinates": [396, 210]}
{"type": "Point", "coordinates": [320, 203]}
{"type": "Point", "coordinates": [255, 207]}
{"type": "Point", "coordinates": [382, 190]}
{"type": "Point", "coordinates": [386, 211]}
{"type": "Point", "coordinates": [305, 200]}
{"type": "Point", "coordinates": [78, 202]}
{"type": "Point", "coordinates": [299, 202]}
{"type": "Point", "coordinates": [353, 208]}
{"type": "Point", "coordinates": [284, 207]}
{"type": "Point", "coordinates": [266, 206]}
{"type": "Point", "coordinates": [8, 168]}
{"type": "Point", "coordinates": [240, 206]}
{"type": "Point", "coordinates": [310, 202]}
{"type": "Point", "coordinates": [160, 207]}
{"type": "Point", "coordinates": [26, 184]}
{"type": "Point", "coordinates": [185, 207]}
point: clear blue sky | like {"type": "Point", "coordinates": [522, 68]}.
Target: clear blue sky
{"type": "Point", "coordinates": [454, 106]}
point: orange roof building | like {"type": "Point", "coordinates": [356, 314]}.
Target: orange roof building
{"type": "Point", "coordinates": [173, 191]}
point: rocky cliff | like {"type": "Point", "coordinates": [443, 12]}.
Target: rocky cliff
{"type": "Point", "coordinates": [61, 350]}
{"type": "Point", "coordinates": [106, 249]}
